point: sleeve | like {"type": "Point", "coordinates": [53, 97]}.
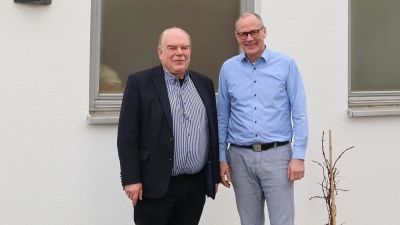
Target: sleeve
{"type": "Point", "coordinates": [223, 109]}
{"type": "Point", "coordinates": [297, 99]}
{"type": "Point", "coordinates": [128, 134]}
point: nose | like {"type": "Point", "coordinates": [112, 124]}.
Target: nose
{"type": "Point", "coordinates": [179, 51]}
{"type": "Point", "coordinates": [249, 37]}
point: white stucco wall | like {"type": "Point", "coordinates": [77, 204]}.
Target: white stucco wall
{"type": "Point", "coordinates": [56, 169]}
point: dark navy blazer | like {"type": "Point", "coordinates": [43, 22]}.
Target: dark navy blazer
{"type": "Point", "coordinates": [145, 132]}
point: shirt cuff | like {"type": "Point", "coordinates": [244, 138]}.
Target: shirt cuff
{"type": "Point", "coordinates": [299, 153]}
{"type": "Point", "coordinates": [222, 156]}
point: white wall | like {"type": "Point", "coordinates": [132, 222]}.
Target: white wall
{"type": "Point", "coordinates": [56, 169]}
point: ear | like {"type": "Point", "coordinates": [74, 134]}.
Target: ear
{"type": "Point", "coordinates": [265, 32]}
{"type": "Point", "coordinates": [237, 36]}
{"type": "Point", "coordinates": [159, 51]}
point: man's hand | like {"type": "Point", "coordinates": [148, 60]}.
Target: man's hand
{"type": "Point", "coordinates": [134, 191]}
{"type": "Point", "coordinates": [225, 174]}
{"type": "Point", "coordinates": [296, 169]}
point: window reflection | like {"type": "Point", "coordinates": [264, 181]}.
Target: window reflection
{"type": "Point", "coordinates": [130, 30]}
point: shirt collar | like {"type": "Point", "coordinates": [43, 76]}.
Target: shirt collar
{"type": "Point", "coordinates": [172, 79]}
{"type": "Point", "coordinates": [264, 56]}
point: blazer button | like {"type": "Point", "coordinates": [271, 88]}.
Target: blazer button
{"type": "Point", "coordinates": [170, 159]}
{"type": "Point", "coordinates": [171, 139]}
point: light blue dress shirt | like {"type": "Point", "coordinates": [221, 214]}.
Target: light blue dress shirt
{"type": "Point", "coordinates": [262, 102]}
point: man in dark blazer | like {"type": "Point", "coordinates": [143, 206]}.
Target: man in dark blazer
{"type": "Point", "coordinates": [168, 137]}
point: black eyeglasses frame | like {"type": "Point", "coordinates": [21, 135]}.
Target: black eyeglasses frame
{"type": "Point", "coordinates": [253, 33]}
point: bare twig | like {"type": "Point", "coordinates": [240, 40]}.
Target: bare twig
{"type": "Point", "coordinates": [340, 156]}
{"type": "Point", "coordinates": [329, 179]}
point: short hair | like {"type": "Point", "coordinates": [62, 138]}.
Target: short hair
{"type": "Point", "coordinates": [246, 14]}
{"type": "Point", "coordinates": [169, 29]}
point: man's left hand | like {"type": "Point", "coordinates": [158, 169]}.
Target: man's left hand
{"type": "Point", "coordinates": [296, 169]}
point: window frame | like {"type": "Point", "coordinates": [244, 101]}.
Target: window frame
{"type": "Point", "coordinates": [369, 103]}
{"type": "Point", "coordinates": [104, 108]}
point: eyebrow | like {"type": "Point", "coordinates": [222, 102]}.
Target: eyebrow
{"type": "Point", "coordinates": [248, 31]}
{"type": "Point", "coordinates": [178, 46]}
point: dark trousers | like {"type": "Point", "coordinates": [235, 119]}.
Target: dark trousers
{"type": "Point", "coordinates": [181, 205]}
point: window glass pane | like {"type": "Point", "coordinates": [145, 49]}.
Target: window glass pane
{"type": "Point", "coordinates": [375, 45]}
{"type": "Point", "coordinates": [130, 30]}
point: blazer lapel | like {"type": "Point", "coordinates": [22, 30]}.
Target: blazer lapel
{"type": "Point", "coordinates": [161, 87]}
{"type": "Point", "coordinates": [199, 84]}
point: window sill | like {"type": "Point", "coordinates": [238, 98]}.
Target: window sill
{"type": "Point", "coordinates": [113, 117]}
{"type": "Point", "coordinates": [96, 118]}
{"type": "Point", "coordinates": [376, 111]}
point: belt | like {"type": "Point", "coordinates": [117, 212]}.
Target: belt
{"type": "Point", "coordinates": [263, 147]}
{"type": "Point", "coordinates": [182, 177]}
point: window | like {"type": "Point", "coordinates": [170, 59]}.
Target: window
{"type": "Point", "coordinates": [124, 40]}
{"type": "Point", "coordinates": [374, 66]}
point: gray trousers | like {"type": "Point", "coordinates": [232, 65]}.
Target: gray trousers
{"type": "Point", "coordinates": [262, 176]}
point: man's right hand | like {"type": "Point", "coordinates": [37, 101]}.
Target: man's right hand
{"type": "Point", "coordinates": [134, 191]}
{"type": "Point", "coordinates": [225, 174]}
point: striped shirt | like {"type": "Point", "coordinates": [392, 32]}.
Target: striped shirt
{"type": "Point", "coordinates": [189, 125]}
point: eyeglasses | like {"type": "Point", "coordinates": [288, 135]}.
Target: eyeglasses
{"type": "Point", "coordinates": [253, 33]}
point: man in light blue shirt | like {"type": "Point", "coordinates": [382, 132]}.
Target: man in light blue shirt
{"type": "Point", "coordinates": [261, 106]}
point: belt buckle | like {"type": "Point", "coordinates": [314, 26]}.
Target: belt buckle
{"type": "Point", "coordinates": [257, 147]}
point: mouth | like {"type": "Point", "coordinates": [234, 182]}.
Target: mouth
{"type": "Point", "coordinates": [251, 44]}
{"type": "Point", "coordinates": [179, 60]}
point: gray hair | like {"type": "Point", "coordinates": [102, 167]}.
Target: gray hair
{"type": "Point", "coordinates": [246, 14]}
{"type": "Point", "coordinates": [169, 29]}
